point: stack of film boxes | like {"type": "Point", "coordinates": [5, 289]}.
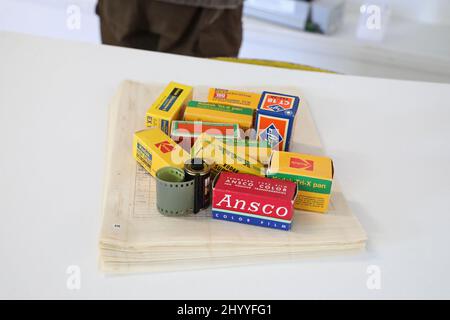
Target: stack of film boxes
{"type": "Point", "coordinates": [245, 138]}
{"type": "Point", "coordinates": [239, 203]}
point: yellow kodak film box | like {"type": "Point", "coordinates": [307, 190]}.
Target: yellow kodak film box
{"type": "Point", "coordinates": [234, 98]}
{"type": "Point", "coordinates": [153, 149]}
{"type": "Point", "coordinates": [259, 150]}
{"type": "Point", "coordinates": [212, 112]}
{"type": "Point", "coordinates": [224, 157]}
{"type": "Point", "coordinates": [313, 175]}
{"type": "Point", "coordinates": [169, 106]}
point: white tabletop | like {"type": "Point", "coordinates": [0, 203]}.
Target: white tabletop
{"type": "Point", "coordinates": [389, 140]}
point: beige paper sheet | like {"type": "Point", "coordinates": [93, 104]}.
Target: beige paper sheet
{"type": "Point", "coordinates": [135, 237]}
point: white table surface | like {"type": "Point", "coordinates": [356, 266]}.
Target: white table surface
{"type": "Point", "coordinates": [398, 56]}
{"type": "Point", "coordinates": [389, 140]}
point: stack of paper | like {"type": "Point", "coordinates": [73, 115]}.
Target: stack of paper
{"type": "Point", "coordinates": [135, 237]}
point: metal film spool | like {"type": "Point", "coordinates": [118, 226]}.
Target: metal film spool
{"type": "Point", "coordinates": [173, 196]}
{"type": "Point", "coordinates": [197, 170]}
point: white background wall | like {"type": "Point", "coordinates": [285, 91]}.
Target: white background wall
{"type": "Point", "coordinates": [416, 47]}
{"type": "Point", "coordinates": [423, 11]}
{"type": "Point", "coordinates": [411, 49]}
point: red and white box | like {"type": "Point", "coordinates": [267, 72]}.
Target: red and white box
{"type": "Point", "coordinates": [254, 200]}
{"type": "Point", "coordinates": [186, 132]}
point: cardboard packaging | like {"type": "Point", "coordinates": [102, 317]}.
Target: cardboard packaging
{"type": "Point", "coordinates": [313, 175]}
{"type": "Point", "coordinates": [275, 119]}
{"type": "Point", "coordinates": [153, 149]}
{"type": "Point", "coordinates": [224, 157]}
{"type": "Point", "coordinates": [211, 112]}
{"type": "Point", "coordinates": [258, 150]}
{"type": "Point", "coordinates": [169, 106]}
{"type": "Point", "coordinates": [254, 200]}
{"type": "Point", "coordinates": [234, 98]}
{"type": "Point", "coordinates": [186, 133]}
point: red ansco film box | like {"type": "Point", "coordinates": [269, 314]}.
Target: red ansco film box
{"type": "Point", "coordinates": [250, 199]}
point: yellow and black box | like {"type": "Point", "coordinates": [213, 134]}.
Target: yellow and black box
{"type": "Point", "coordinates": [153, 149]}
{"type": "Point", "coordinates": [169, 106]}
{"type": "Point", "coordinates": [313, 175]}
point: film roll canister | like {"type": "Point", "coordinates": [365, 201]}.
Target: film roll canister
{"type": "Point", "coordinates": [173, 195]}
{"type": "Point", "coordinates": [197, 170]}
